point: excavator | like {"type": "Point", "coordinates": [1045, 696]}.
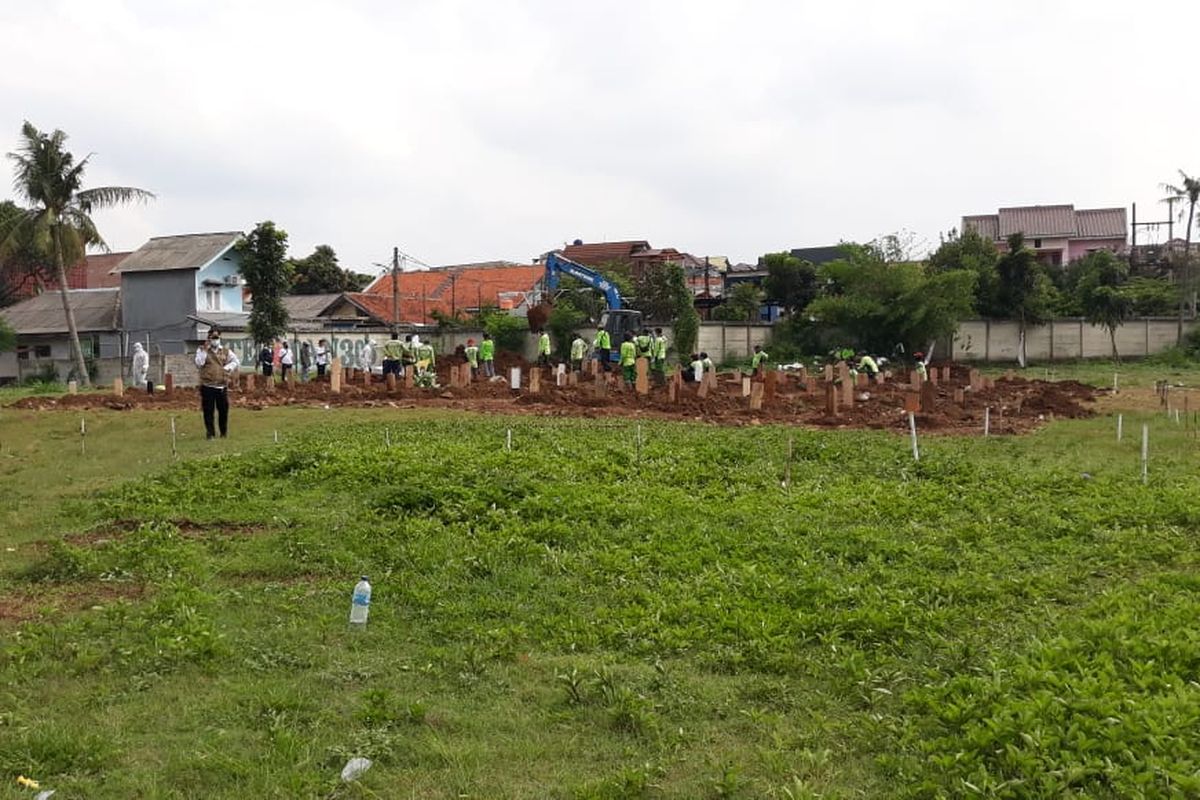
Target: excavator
{"type": "Point", "coordinates": [615, 319]}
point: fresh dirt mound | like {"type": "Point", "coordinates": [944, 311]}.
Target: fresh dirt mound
{"type": "Point", "coordinates": [1016, 404]}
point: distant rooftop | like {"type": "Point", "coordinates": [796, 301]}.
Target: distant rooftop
{"type": "Point", "coordinates": [189, 251]}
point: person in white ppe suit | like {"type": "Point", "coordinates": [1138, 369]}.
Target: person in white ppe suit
{"type": "Point", "coordinates": [140, 367]}
{"type": "Point", "coordinates": [366, 357]}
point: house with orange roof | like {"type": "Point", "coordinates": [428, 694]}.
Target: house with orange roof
{"type": "Point", "coordinates": [450, 291]}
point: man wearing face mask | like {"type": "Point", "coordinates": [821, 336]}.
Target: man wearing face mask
{"type": "Point", "coordinates": [216, 365]}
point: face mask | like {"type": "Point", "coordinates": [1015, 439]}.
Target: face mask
{"type": "Point", "coordinates": [214, 342]}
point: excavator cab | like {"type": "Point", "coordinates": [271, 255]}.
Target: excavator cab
{"type": "Point", "coordinates": [618, 322]}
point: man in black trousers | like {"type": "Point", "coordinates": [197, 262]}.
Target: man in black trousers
{"type": "Point", "coordinates": [217, 364]}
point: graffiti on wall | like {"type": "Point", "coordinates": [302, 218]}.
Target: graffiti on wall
{"type": "Point", "coordinates": [346, 347]}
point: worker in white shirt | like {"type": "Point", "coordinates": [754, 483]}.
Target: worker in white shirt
{"type": "Point", "coordinates": [216, 365]}
{"type": "Point", "coordinates": [286, 360]}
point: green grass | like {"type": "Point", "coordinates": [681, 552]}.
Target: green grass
{"type": "Point", "coordinates": [1139, 373]}
{"type": "Point", "coordinates": [581, 618]}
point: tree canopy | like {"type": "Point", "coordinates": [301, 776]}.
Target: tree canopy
{"type": "Point", "coordinates": [268, 275]}
{"type": "Point", "coordinates": [880, 305]}
{"type": "Point", "coordinates": [741, 305]}
{"type": "Point", "coordinates": [791, 282]}
{"type": "Point", "coordinates": [320, 273]}
{"type": "Point", "coordinates": [58, 225]}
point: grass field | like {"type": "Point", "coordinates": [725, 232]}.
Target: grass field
{"type": "Point", "coordinates": [587, 616]}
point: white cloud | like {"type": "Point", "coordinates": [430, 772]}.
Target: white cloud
{"type": "Point", "coordinates": [472, 130]}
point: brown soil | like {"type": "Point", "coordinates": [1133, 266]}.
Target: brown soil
{"type": "Point", "coordinates": [44, 599]}
{"type": "Point", "coordinates": [1016, 404]}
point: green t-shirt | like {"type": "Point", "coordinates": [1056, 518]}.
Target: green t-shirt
{"type": "Point", "coordinates": [602, 341]}
{"type": "Point", "coordinates": [578, 346]}
{"type": "Point", "coordinates": [643, 344]}
{"type": "Point", "coordinates": [758, 359]}
{"type": "Point", "coordinates": [628, 354]}
{"type": "Point", "coordinates": [472, 353]}
{"type": "Point", "coordinates": [487, 350]}
{"type": "Point", "coordinates": [392, 349]}
{"type": "Point", "coordinates": [868, 363]}
{"type": "Point", "coordinates": [660, 348]}
{"type": "Point", "coordinates": [544, 344]}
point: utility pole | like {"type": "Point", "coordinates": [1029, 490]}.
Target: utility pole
{"type": "Point", "coordinates": [395, 290]}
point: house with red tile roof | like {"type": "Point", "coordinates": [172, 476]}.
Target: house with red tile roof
{"type": "Point", "coordinates": [1059, 234]}
{"type": "Point", "coordinates": [449, 291]}
{"type": "Point", "coordinates": [93, 272]}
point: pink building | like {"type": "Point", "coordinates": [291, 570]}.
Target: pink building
{"type": "Point", "coordinates": [1058, 234]}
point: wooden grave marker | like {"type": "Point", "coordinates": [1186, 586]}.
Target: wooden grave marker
{"type": "Point", "coordinates": [757, 390]}
{"type": "Point", "coordinates": [642, 375]}
{"type": "Point", "coordinates": [831, 398]}
{"type": "Point", "coordinates": [847, 392]}
{"type": "Point", "coordinates": [746, 383]}
{"type": "Point", "coordinates": [535, 381]}
{"type": "Point", "coordinates": [959, 396]}
{"type": "Point", "coordinates": [168, 384]}
{"type": "Point", "coordinates": [391, 382]}
{"type": "Point", "coordinates": [335, 376]}
{"type": "Point", "coordinates": [861, 380]}
{"type": "Point", "coordinates": [118, 387]}
{"type": "Point", "coordinates": [928, 397]}
{"type": "Point", "coordinates": [912, 402]}
{"type": "Point", "coordinates": [770, 384]}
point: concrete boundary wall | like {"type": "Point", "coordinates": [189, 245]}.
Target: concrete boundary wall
{"type": "Point", "coordinates": [1063, 339]}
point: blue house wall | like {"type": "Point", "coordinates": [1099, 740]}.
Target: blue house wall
{"type": "Point", "coordinates": [215, 272]}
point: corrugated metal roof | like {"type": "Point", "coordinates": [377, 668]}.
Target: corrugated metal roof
{"type": "Point", "coordinates": [1038, 221]}
{"type": "Point", "coordinates": [190, 251]}
{"type": "Point", "coordinates": [986, 225]}
{"type": "Point", "coordinates": [1101, 223]}
{"type": "Point", "coordinates": [309, 306]}
{"type": "Point", "coordinates": [95, 310]}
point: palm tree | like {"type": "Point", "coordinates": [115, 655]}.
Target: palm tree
{"type": "Point", "coordinates": [59, 219]}
{"type": "Point", "coordinates": [1189, 191]}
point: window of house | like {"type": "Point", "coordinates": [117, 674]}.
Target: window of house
{"type": "Point", "coordinates": [1037, 243]}
{"type": "Point", "coordinates": [26, 352]}
{"type": "Point", "coordinates": [212, 299]}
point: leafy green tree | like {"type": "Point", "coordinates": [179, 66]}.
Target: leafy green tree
{"type": "Point", "coordinates": [654, 292]}
{"type": "Point", "coordinates": [58, 225]}
{"type": "Point", "coordinates": [880, 305]}
{"type": "Point", "coordinates": [21, 261]}
{"type": "Point", "coordinates": [8, 337]}
{"type": "Point", "coordinates": [742, 304]}
{"type": "Point", "coordinates": [1024, 292]}
{"type": "Point", "coordinates": [791, 282]}
{"type": "Point", "coordinates": [268, 275]}
{"type": "Point", "coordinates": [507, 330]}
{"type": "Point", "coordinates": [972, 252]}
{"type": "Point", "coordinates": [1100, 293]}
{"type": "Point", "coordinates": [320, 273]}
{"type": "Point", "coordinates": [563, 321]}
{"type": "Point", "coordinates": [1151, 297]}
{"type": "Point", "coordinates": [1187, 190]}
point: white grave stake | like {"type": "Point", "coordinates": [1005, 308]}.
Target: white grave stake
{"type": "Point", "coordinates": [276, 437]}
{"type": "Point", "coordinates": [1120, 425]}
{"type": "Point", "coordinates": [514, 378]}
{"type": "Point", "coordinates": [82, 435]}
{"type": "Point", "coordinates": [508, 440]}
{"type": "Point", "coordinates": [174, 448]}
{"type": "Point", "coordinates": [987, 420]}
{"type": "Point", "coordinates": [912, 427]}
{"type": "Point", "coordinates": [1145, 450]}
{"type": "Point", "coordinates": [387, 437]}
{"type": "Point", "coordinates": [1115, 389]}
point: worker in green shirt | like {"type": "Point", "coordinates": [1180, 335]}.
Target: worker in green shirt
{"type": "Point", "coordinates": [487, 354]}
{"type": "Point", "coordinates": [708, 363]}
{"type": "Point", "coordinates": [578, 351]}
{"type": "Point", "coordinates": [543, 348]}
{"type": "Point", "coordinates": [868, 365]}
{"type": "Point", "coordinates": [392, 351]}
{"type": "Point", "coordinates": [644, 342]}
{"type": "Point", "coordinates": [408, 354]}
{"type": "Point", "coordinates": [601, 346]}
{"type": "Point", "coordinates": [629, 359]}
{"type": "Point", "coordinates": [426, 358]}
{"type": "Point", "coordinates": [658, 353]}
{"type": "Point", "coordinates": [922, 372]}
{"type": "Point", "coordinates": [758, 361]}
{"type": "Point", "coordinates": [472, 355]}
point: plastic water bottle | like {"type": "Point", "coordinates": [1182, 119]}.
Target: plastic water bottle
{"type": "Point", "coordinates": [360, 603]}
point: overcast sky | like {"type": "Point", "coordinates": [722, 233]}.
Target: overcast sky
{"type": "Point", "coordinates": [467, 131]}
